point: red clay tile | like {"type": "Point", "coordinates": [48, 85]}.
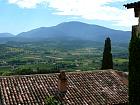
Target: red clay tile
{"type": "Point", "coordinates": [84, 88]}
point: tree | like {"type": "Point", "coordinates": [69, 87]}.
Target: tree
{"type": "Point", "coordinates": [134, 66]}
{"type": "Point", "coordinates": [107, 62]}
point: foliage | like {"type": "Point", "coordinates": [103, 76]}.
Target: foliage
{"type": "Point", "coordinates": [7, 73]}
{"type": "Point", "coordinates": [121, 64]}
{"type": "Point", "coordinates": [134, 66]}
{"type": "Point", "coordinates": [107, 62]}
{"type": "Point", "coordinates": [51, 101]}
{"type": "Point", "coordinates": [24, 71]}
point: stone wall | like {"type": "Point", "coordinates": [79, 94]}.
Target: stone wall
{"type": "Point", "coordinates": [139, 24]}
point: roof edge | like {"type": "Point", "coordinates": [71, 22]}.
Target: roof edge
{"type": "Point", "coordinates": [91, 71]}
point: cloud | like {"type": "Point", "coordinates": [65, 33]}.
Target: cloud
{"type": "Point", "coordinates": [87, 9]}
{"type": "Point", "coordinates": [26, 3]}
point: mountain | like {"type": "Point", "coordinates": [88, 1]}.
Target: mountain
{"type": "Point", "coordinates": [5, 35]}
{"type": "Point", "coordinates": [76, 30]}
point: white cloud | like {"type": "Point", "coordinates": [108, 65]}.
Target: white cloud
{"type": "Point", "coordinates": [87, 9]}
{"type": "Point", "coordinates": [27, 3]}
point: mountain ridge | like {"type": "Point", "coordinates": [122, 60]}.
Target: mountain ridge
{"type": "Point", "coordinates": [6, 35]}
{"type": "Point", "coordinates": [76, 30]}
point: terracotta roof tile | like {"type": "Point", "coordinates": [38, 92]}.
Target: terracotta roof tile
{"type": "Point", "coordinates": [84, 88]}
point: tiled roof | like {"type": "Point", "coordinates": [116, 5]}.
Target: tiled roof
{"type": "Point", "coordinates": [133, 5]}
{"type": "Point", "coordinates": [84, 88]}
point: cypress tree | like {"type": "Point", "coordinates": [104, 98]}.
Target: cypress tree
{"type": "Point", "coordinates": [107, 62]}
{"type": "Point", "coordinates": [134, 68]}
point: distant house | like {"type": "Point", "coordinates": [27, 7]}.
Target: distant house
{"type": "Point", "coordinates": [71, 88]}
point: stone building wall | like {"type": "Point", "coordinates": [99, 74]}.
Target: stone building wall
{"type": "Point", "coordinates": [139, 24]}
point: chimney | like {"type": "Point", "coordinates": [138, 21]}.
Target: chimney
{"type": "Point", "coordinates": [62, 82]}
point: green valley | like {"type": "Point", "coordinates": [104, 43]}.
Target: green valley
{"type": "Point", "coordinates": [24, 58]}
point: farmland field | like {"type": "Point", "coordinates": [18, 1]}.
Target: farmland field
{"type": "Point", "coordinates": [19, 58]}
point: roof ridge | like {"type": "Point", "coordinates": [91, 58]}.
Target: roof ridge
{"type": "Point", "coordinates": [77, 72]}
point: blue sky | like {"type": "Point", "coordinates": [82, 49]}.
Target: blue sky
{"type": "Point", "coordinates": [23, 15]}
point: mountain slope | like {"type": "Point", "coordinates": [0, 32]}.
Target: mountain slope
{"type": "Point", "coordinates": [77, 30]}
{"type": "Point", "coordinates": [6, 35]}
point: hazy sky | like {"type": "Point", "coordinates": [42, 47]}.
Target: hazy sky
{"type": "Point", "coordinates": [22, 15]}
